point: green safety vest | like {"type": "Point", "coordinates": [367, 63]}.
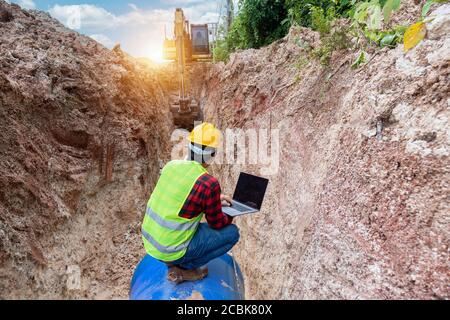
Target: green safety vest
{"type": "Point", "coordinates": [166, 236]}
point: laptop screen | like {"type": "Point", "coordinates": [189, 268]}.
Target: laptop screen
{"type": "Point", "coordinates": [250, 190]}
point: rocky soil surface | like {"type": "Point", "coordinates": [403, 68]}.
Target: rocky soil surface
{"type": "Point", "coordinates": [84, 134]}
{"type": "Point", "coordinates": [359, 207]}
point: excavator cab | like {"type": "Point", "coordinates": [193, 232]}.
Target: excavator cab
{"type": "Point", "coordinates": [191, 43]}
{"type": "Point", "coordinates": [200, 43]}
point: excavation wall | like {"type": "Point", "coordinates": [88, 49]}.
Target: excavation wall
{"type": "Point", "coordinates": [359, 206]}
{"type": "Point", "coordinates": [84, 135]}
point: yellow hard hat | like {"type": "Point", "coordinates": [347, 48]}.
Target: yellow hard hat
{"type": "Point", "coordinates": [205, 134]}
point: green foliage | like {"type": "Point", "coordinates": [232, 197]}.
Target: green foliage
{"type": "Point", "coordinates": [321, 21]}
{"type": "Point", "coordinates": [371, 19]}
{"type": "Point", "coordinates": [385, 38]}
{"type": "Point", "coordinates": [259, 23]}
{"type": "Point", "coordinates": [299, 11]}
{"type": "Point", "coordinates": [368, 14]}
{"type": "Point", "coordinates": [360, 60]}
{"type": "Point", "coordinates": [331, 38]}
{"type": "Point", "coordinates": [368, 19]}
{"type": "Point", "coordinates": [221, 52]}
{"type": "Point", "coordinates": [335, 40]}
{"type": "Point", "coordinates": [426, 7]}
{"type": "Point", "coordinates": [372, 14]}
{"type": "Point", "coordinates": [389, 7]}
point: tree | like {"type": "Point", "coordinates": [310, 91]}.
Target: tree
{"type": "Point", "coordinates": [258, 23]}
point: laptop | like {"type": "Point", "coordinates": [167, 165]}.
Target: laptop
{"type": "Point", "coordinates": [248, 195]}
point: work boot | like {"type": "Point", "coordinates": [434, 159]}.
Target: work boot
{"type": "Point", "coordinates": [179, 275]}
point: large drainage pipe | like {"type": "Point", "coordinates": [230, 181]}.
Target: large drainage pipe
{"type": "Point", "coordinates": [224, 282]}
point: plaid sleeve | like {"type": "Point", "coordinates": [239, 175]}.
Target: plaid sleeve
{"type": "Point", "coordinates": [212, 206]}
{"type": "Point", "coordinates": [193, 206]}
{"type": "Point", "coordinates": [205, 197]}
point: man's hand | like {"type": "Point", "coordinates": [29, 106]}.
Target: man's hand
{"type": "Point", "coordinates": [226, 200]}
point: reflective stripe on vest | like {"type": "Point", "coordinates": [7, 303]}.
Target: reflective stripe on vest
{"type": "Point", "coordinates": [166, 235]}
{"type": "Point", "coordinates": [161, 248]}
{"type": "Point", "coordinates": [171, 225]}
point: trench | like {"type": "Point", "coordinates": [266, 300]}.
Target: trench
{"type": "Point", "coordinates": [89, 202]}
{"type": "Point", "coordinates": [356, 209]}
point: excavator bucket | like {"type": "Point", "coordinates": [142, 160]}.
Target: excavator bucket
{"type": "Point", "coordinates": [185, 113]}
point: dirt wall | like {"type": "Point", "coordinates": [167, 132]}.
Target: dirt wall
{"type": "Point", "coordinates": [359, 207]}
{"type": "Point", "coordinates": [84, 135]}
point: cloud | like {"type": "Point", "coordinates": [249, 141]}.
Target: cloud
{"type": "Point", "coordinates": [202, 12]}
{"type": "Point", "coordinates": [83, 16]}
{"type": "Point", "coordinates": [87, 16]}
{"type": "Point", "coordinates": [206, 18]}
{"type": "Point", "coordinates": [139, 31]}
{"type": "Point", "coordinates": [133, 6]}
{"type": "Point", "coordinates": [25, 4]}
{"type": "Point", "coordinates": [103, 39]}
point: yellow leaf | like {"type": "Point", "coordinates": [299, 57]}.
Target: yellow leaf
{"type": "Point", "coordinates": [413, 35]}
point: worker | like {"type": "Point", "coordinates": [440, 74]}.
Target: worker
{"type": "Point", "coordinates": [185, 192]}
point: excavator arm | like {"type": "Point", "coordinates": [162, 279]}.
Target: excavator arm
{"type": "Point", "coordinates": [184, 108]}
{"type": "Point", "coordinates": [180, 39]}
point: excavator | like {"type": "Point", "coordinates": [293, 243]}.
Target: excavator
{"type": "Point", "coordinates": [190, 44]}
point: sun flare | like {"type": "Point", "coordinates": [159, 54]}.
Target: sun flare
{"type": "Point", "coordinates": [155, 53]}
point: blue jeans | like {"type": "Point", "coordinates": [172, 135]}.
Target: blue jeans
{"type": "Point", "coordinates": [208, 244]}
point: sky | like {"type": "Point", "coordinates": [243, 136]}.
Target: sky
{"type": "Point", "coordinates": [138, 25]}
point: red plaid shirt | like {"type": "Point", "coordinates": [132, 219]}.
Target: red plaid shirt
{"type": "Point", "coordinates": [205, 197]}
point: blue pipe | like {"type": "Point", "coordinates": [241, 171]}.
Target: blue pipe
{"type": "Point", "coordinates": [224, 282]}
